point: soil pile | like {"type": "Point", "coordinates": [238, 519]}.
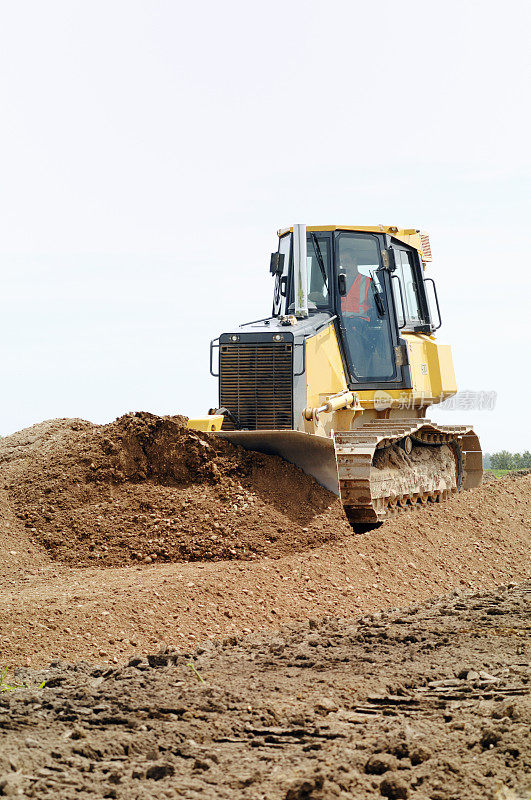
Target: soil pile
{"type": "Point", "coordinates": [89, 514]}
{"type": "Point", "coordinates": [146, 488]}
{"type": "Point", "coordinates": [427, 702]}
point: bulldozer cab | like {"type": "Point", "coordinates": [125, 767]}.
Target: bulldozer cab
{"type": "Point", "coordinates": [371, 284]}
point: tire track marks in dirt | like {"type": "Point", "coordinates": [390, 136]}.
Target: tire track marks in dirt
{"type": "Point", "coordinates": [428, 702]}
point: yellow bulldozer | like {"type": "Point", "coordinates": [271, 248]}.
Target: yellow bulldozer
{"type": "Point", "coordinates": [338, 378]}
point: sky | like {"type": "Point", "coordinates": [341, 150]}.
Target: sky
{"type": "Point", "coordinates": [150, 150]}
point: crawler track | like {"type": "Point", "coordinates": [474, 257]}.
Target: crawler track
{"type": "Point", "coordinates": [444, 459]}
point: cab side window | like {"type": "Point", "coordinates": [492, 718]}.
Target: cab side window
{"type": "Point", "coordinates": [317, 266]}
{"type": "Point", "coordinates": [405, 273]}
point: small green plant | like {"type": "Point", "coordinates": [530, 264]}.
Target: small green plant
{"type": "Point", "coordinates": [11, 687]}
{"type": "Point", "coordinates": [196, 673]}
{"type": "Point", "coordinates": [500, 473]}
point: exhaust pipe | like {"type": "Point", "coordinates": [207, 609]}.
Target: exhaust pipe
{"type": "Point", "coordinates": [300, 268]}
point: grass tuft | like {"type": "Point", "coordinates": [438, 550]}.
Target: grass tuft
{"type": "Point", "coordinates": [196, 673]}
{"type": "Point", "coordinates": [12, 687]}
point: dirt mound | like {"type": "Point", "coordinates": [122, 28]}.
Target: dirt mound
{"type": "Point", "coordinates": [428, 701]}
{"type": "Point", "coordinates": [88, 515]}
{"type": "Point", "coordinates": [146, 488]}
{"type": "Point", "coordinates": [50, 609]}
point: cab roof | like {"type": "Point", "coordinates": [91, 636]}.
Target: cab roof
{"type": "Point", "coordinates": [411, 236]}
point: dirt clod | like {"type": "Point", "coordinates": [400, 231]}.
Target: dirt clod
{"type": "Point", "coordinates": [380, 763]}
{"type": "Point", "coordinates": [394, 787]}
{"type": "Point", "coordinates": [418, 754]}
{"type": "Point", "coordinates": [158, 771]}
{"type": "Point", "coordinates": [306, 789]}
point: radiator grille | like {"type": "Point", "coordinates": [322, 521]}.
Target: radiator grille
{"type": "Point", "coordinates": [256, 384]}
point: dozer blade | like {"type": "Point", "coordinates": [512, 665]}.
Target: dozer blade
{"type": "Point", "coordinates": [315, 455]}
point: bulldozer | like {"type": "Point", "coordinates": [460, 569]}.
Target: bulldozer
{"type": "Point", "coordinates": [338, 379]}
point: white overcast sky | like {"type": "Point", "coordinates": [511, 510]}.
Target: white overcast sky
{"type": "Point", "coordinates": [150, 150]}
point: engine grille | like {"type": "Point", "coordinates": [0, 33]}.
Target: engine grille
{"type": "Point", "coordinates": [256, 384]}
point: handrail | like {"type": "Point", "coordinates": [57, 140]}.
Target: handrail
{"type": "Point", "coordinates": [326, 322]}
{"type": "Point", "coordinates": [436, 302]}
{"type": "Point", "coordinates": [212, 346]}
{"type": "Point", "coordinates": [254, 322]}
{"type": "Point", "coordinates": [395, 277]}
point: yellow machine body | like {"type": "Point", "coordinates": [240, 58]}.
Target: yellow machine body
{"type": "Point", "coordinates": [288, 384]}
{"type": "Point", "coordinates": [432, 371]}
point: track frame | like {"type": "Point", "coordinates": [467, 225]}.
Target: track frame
{"type": "Point", "coordinates": [355, 450]}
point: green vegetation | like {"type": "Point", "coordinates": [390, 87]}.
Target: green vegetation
{"type": "Point", "coordinates": [196, 673]}
{"type": "Point", "coordinates": [12, 687]}
{"type": "Point", "coordinates": [506, 462]}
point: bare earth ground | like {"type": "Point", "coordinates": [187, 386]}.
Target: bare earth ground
{"type": "Point", "coordinates": [293, 554]}
{"type": "Point", "coordinates": [118, 541]}
{"type": "Point", "coordinates": [430, 702]}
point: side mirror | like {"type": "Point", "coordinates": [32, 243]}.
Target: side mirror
{"type": "Point", "coordinates": [388, 259]}
{"type": "Point", "coordinates": [342, 284]}
{"type": "Point", "coordinates": [276, 266]}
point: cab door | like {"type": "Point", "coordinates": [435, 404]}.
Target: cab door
{"type": "Point", "coordinates": [366, 317]}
